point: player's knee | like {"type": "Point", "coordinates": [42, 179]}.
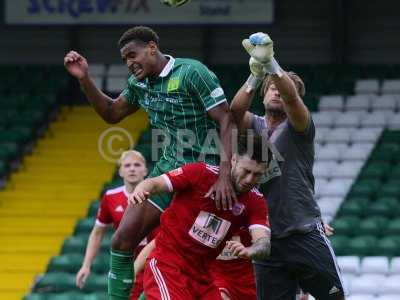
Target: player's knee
{"type": "Point", "coordinates": [127, 237]}
{"type": "Point", "coordinates": [121, 241]}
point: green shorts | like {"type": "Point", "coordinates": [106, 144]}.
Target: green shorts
{"type": "Point", "coordinates": [161, 201]}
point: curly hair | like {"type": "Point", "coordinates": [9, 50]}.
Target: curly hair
{"type": "Point", "coordinates": [139, 33]}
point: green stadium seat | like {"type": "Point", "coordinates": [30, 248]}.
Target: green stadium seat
{"type": "Point", "coordinates": [339, 243]}
{"type": "Point", "coordinates": [393, 228]}
{"type": "Point", "coordinates": [84, 226]}
{"type": "Point", "coordinates": [7, 116]}
{"type": "Point", "coordinates": [75, 244]}
{"type": "Point", "coordinates": [363, 201]}
{"type": "Point", "coordinates": [392, 148]}
{"type": "Point", "coordinates": [14, 136]}
{"type": "Point", "coordinates": [389, 246]}
{"type": "Point", "coordinates": [36, 297]}
{"type": "Point", "coordinates": [375, 170]}
{"type": "Point", "coordinates": [352, 208]}
{"type": "Point", "coordinates": [390, 189]}
{"type": "Point", "coordinates": [3, 168]}
{"type": "Point", "coordinates": [106, 243]}
{"type": "Point", "coordinates": [372, 226]}
{"type": "Point", "coordinates": [55, 283]}
{"type": "Point", "coordinates": [346, 225]}
{"type": "Point", "coordinates": [365, 187]}
{"type": "Point", "coordinates": [395, 173]}
{"type": "Point", "coordinates": [29, 118]}
{"type": "Point", "coordinates": [93, 208]}
{"type": "Point", "coordinates": [383, 206]}
{"type": "Point", "coordinates": [381, 156]}
{"type": "Point", "coordinates": [70, 263]}
{"type": "Point", "coordinates": [362, 245]}
{"type": "Point", "coordinates": [391, 136]}
{"type": "Point", "coordinates": [101, 264]}
{"type": "Point", "coordinates": [96, 283]}
{"type": "Point", "coordinates": [68, 296]}
{"type": "Point", "coordinates": [9, 151]}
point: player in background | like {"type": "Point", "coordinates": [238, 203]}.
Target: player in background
{"type": "Point", "coordinates": [182, 98]}
{"type": "Point", "coordinates": [132, 169]}
{"type": "Point", "coordinates": [301, 254]}
{"type": "Point", "coordinates": [193, 231]}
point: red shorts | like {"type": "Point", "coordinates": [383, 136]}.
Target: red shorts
{"type": "Point", "coordinates": [236, 289]}
{"type": "Point", "coordinates": [137, 286]}
{"type": "Point", "coordinates": [235, 278]}
{"type": "Point", "coordinates": [165, 282]}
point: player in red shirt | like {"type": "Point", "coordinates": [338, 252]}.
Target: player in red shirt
{"type": "Point", "coordinates": [132, 168]}
{"type": "Point", "coordinates": [193, 231]}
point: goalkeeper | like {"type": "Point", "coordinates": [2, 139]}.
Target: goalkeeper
{"type": "Point", "coordinates": [301, 254]}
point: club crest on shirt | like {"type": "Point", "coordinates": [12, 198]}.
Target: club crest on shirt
{"type": "Point", "coordinates": [173, 84]}
{"type": "Point", "coordinates": [209, 230]}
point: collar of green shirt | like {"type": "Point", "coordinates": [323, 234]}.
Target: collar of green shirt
{"type": "Point", "coordinates": [168, 66]}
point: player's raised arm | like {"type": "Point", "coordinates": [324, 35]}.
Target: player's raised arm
{"type": "Point", "coordinates": [260, 48]}
{"type": "Point", "coordinates": [111, 110]}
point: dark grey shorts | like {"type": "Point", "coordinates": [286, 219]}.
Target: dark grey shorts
{"type": "Point", "coordinates": [300, 260]}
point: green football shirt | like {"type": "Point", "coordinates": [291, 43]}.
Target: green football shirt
{"type": "Point", "coordinates": [177, 102]}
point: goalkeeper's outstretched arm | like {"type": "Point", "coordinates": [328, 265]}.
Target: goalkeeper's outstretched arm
{"type": "Point", "coordinates": [240, 106]}
{"type": "Point", "coordinates": [294, 106]}
{"type": "Point", "coordinates": [260, 48]}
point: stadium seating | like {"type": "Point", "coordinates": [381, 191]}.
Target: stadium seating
{"type": "Point", "coordinates": [365, 214]}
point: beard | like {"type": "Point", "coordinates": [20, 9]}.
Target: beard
{"type": "Point", "coordinates": [275, 112]}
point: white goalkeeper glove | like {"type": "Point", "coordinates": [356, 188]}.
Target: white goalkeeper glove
{"type": "Point", "coordinates": [260, 47]}
{"type": "Point", "coordinates": [257, 74]}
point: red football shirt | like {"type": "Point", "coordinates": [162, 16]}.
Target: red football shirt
{"type": "Point", "coordinates": [111, 210]}
{"type": "Point", "coordinates": [192, 231]}
{"type": "Point", "coordinates": [112, 207]}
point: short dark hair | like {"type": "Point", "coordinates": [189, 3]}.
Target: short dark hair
{"type": "Point", "coordinates": [254, 146]}
{"type": "Point", "coordinates": [139, 33]}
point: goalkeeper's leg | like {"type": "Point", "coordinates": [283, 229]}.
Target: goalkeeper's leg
{"type": "Point", "coordinates": [136, 223]}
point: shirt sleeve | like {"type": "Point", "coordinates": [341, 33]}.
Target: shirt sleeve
{"type": "Point", "coordinates": [258, 124]}
{"type": "Point", "coordinates": [103, 214]}
{"type": "Point", "coordinates": [184, 176]}
{"type": "Point", "coordinates": [257, 214]}
{"type": "Point", "coordinates": [129, 93]}
{"type": "Point", "coordinates": [309, 133]}
{"type": "Point", "coordinates": [205, 85]}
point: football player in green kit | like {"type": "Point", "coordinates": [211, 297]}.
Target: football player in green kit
{"type": "Point", "coordinates": [184, 99]}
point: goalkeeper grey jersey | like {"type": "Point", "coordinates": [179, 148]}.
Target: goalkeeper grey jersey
{"type": "Point", "coordinates": [289, 184]}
